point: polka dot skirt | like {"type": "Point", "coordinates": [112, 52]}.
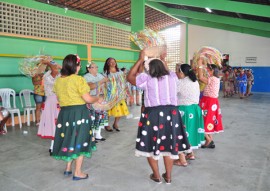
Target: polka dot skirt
{"type": "Point", "coordinates": [161, 133]}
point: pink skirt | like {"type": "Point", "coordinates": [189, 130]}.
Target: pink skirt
{"type": "Point", "coordinates": [46, 129]}
{"type": "Point", "coordinates": [211, 114]}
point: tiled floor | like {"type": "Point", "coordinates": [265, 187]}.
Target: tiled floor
{"type": "Point", "coordinates": [240, 161]}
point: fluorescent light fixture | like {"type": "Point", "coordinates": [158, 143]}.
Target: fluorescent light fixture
{"type": "Point", "coordinates": [209, 10]}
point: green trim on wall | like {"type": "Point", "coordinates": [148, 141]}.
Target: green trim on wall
{"type": "Point", "coordinates": [29, 56]}
{"type": "Point", "coordinates": [60, 11]}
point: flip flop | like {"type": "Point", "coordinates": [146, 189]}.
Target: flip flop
{"type": "Point", "coordinates": [178, 163]}
{"type": "Point", "coordinates": [190, 157]}
{"type": "Point", "coordinates": [157, 180]}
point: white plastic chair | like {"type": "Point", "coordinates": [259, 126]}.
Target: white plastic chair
{"type": "Point", "coordinates": [25, 97]}
{"type": "Point", "coordinates": [5, 94]}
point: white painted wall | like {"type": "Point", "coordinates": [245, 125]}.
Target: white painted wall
{"type": "Point", "coordinates": [237, 45]}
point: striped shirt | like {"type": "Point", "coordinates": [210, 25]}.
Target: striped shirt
{"type": "Point", "coordinates": [212, 88]}
{"type": "Point", "coordinates": [158, 91]}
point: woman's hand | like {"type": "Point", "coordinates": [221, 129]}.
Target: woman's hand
{"type": "Point", "coordinates": [104, 80]}
{"type": "Point", "coordinates": [142, 55]}
{"type": "Point", "coordinates": [100, 99]}
{"type": "Point", "coordinates": [200, 62]}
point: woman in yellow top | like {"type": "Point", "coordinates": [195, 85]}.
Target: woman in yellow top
{"type": "Point", "coordinates": [73, 136]}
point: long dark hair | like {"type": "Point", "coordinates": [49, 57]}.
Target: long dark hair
{"type": "Point", "coordinates": [214, 68]}
{"type": "Point", "coordinates": [157, 69]}
{"type": "Point", "coordinates": [69, 65]}
{"type": "Point", "coordinates": [187, 71]}
{"type": "Point", "coordinates": [106, 68]}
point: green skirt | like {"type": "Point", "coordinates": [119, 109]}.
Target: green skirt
{"type": "Point", "coordinates": [193, 121]}
{"type": "Point", "coordinates": [73, 134]}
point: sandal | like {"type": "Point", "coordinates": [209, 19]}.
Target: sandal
{"type": "Point", "coordinates": [179, 163]}
{"type": "Point", "coordinates": [190, 156]}
{"type": "Point", "coordinates": [211, 145]}
{"type": "Point", "coordinates": [155, 179]}
{"type": "Point", "coordinates": [168, 181]}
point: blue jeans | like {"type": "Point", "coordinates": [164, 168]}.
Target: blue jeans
{"type": "Point", "coordinates": [39, 99]}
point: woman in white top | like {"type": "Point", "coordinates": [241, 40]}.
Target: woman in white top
{"type": "Point", "coordinates": [188, 92]}
{"type": "Point", "coordinates": [46, 129]}
{"type": "Point", "coordinates": [95, 80]}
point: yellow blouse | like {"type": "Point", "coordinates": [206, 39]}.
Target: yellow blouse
{"type": "Point", "coordinates": [70, 89]}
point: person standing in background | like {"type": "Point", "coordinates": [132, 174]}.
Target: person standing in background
{"type": "Point", "coordinates": [188, 93]}
{"type": "Point", "coordinates": [96, 81]}
{"type": "Point", "coordinates": [250, 82]}
{"type": "Point", "coordinates": [116, 80]}
{"type": "Point", "coordinates": [46, 129]}
{"type": "Point", "coordinates": [209, 103]}
{"type": "Point", "coordinates": [242, 83]}
{"type": "Point", "coordinates": [39, 95]}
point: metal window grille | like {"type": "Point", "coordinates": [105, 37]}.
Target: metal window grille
{"type": "Point", "coordinates": [21, 20]}
{"type": "Point", "coordinates": [111, 36]}
{"type": "Point", "coordinates": [172, 38]}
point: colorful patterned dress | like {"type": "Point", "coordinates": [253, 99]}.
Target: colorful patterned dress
{"type": "Point", "coordinates": [188, 93]}
{"type": "Point", "coordinates": [73, 135]}
{"type": "Point", "coordinates": [160, 129]}
{"type": "Point", "coordinates": [210, 106]}
{"type": "Point", "coordinates": [117, 82]}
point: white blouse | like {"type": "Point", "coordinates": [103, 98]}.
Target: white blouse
{"type": "Point", "coordinates": [49, 82]}
{"type": "Point", "coordinates": [188, 92]}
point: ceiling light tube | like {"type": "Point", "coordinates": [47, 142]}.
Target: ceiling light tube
{"type": "Point", "coordinates": [208, 9]}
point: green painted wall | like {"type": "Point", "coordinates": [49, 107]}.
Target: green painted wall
{"type": "Point", "coordinates": [120, 56]}
{"type": "Point", "coordinates": [10, 76]}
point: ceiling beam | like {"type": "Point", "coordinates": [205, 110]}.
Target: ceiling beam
{"type": "Point", "coordinates": [223, 5]}
{"type": "Point", "coordinates": [230, 28]}
{"type": "Point", "coordinates": [220, 19]}
{"type": "Point", "coordinates": [161, 8]}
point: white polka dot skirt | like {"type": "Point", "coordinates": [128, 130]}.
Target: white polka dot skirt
{"type": "Point", "coordinates": [73, 135]}
{"type": "Point", "coordinates": [161, 133]}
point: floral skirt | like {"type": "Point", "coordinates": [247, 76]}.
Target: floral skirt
{"type": "Point", "coordinates": [100, 119]}
{"type": "Point", "coordinates": [73, 135]}
{"type": "Point", "coordinates": [211, 114]}
{"type": "Point", "coordinates": [193, 122]}
{"type": "Point", "coordinates": [119, 110]}
{"type": "Point", "coordinates": [161, 133]}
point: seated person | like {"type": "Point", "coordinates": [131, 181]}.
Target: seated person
{"type": "Point", "coordinates": [4, 115]}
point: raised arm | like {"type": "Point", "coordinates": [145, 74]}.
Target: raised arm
{"type": "Point", "coordinates": [131, 77]}
{"type": "Point", "coordinates": [201, 77]}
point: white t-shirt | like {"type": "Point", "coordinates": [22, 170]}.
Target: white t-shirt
{"type": "Point", "coordinates": [188, 92]}
{"type": "Point", "coordinates": [93, 79]}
